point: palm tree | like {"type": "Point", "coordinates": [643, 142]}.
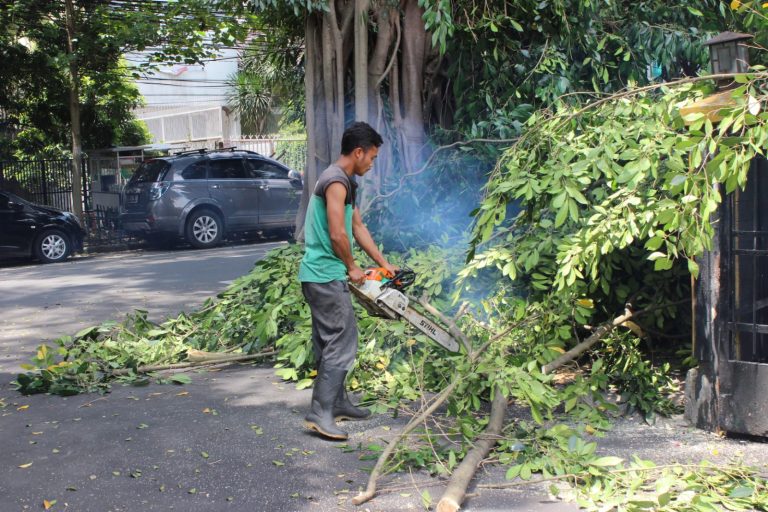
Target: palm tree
{"type": "Point", "coordinates": [268, 90]}
{"type": "Point", "coordinates": [254, 100]}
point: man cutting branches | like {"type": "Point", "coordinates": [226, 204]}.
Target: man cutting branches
{"type": "Point", "coordinates": [332, 221]}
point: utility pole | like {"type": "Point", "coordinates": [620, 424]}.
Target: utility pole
{"type": "Point", "coordinates": [74, 110]}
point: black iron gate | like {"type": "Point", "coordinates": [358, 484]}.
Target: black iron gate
{"type": "Point", "coordinates": [47, 182]}
{"type": "Point", "coordinates": [727, 391]}
{"type": "Point", "coordinates": [747, 246]}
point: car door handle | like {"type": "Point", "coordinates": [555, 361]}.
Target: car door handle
{"type": "Point", "coordinates": [215, 186]}
{"type": "Point", "coordinates": [264, 187]}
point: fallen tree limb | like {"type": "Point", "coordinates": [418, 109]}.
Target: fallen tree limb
{"type": "Point", "coordinates": [424, 412]}
{"type": "Point", "coordinates": [176, 366]}
{"type": "Point", "coordinates": [197, 356]}
{"type": "Point", "coordinates": [603, 330]}
{"type": "Point", "coordinates": [454, 494]}
{"type": "Point", "coordinates": [596, 336]}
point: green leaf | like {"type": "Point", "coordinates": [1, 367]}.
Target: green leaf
{"type": "Point", "coordinates": [304, 383]}
{"type": "Point", "coordinates": [180, 379]}
{"type": "Point", "coordinates": [662, 264]}
{"type": "Point", "coordinates": [742, 491]}
{"type": "Point", "coordinates": [562, 215]}
{"type": "Point", "coordinates": [654, 243]}
{"type": "Point", "coordinates": [693, 268]}
{"type": "Point", "coordinates": [605, 462]}
{"type": "Point", "coordinates": [513, 472]}
{"type": "Point", "coordinates": [426, 499]}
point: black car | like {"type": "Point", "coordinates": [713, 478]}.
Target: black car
{"type": "Point", "coordinates": [32, 230]}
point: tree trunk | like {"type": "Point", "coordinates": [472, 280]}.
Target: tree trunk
{"type": "Point", "coordinates": [371, 184]}
{"type": "Point", "coordinates": [414, 43]}
{"type": "Point", "coordinates": [311, 107]}
{"type": "Point", "coordinates": [361, 60]}
{"type": "Point", "coordinates": [384, 87]}
{"type": "Point", "coordinates": [74, 111]}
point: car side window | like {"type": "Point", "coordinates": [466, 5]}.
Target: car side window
{"type": "Point", "coordinates": [266, 170]}
{"type": "Point", "coordinates": [3, 202]}
{"type": "Point", "coordinates": [195, 171]}
{"type": "Point", "coordinates": [226, 169]}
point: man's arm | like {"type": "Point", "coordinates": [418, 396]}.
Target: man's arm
{"type": "Point", "coordinates": [335, 195]}
{"type": "Point", "coordinates": [365, 241]}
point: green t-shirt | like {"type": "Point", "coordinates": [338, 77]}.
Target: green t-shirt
{"type": "Point", "coordinates": [320, 264]}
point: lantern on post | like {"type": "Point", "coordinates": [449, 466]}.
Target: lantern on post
{"type": "Point", "coordinates": [728, 53]}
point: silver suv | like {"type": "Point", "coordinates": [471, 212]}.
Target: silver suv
{"type": "Point", "coordinates": [203, 195]}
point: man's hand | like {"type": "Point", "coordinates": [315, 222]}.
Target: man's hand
{"type": "Point", "coordinates": [356, 275]}
{"type": "Point", "coordinates": [391, 268]}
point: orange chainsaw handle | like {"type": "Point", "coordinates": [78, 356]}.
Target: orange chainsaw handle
{"type": "Point", "coordinates": [378, 274]}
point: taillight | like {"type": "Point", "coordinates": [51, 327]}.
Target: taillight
{"type": "Point", "coordinates": [157, 190]}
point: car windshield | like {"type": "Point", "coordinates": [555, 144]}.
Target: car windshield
{"type": "Point", "coordinates": [150, 171]}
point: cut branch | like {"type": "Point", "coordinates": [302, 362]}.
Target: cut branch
{"type": "Point", "coordinates": [454, 494]}
{"type": "Point", "coordinates": [424, 412]}
{"type": "Point", "coordinates": [451, 324]}
{"type": "Point", "coordinates": [175, 366]}
{"type": "Point", "coordinates": [596, 336]}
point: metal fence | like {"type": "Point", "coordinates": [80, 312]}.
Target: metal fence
{"type": "Point", "coordinates": [47, 182]}
{"type": "Point", "coordinates": [289, 151]}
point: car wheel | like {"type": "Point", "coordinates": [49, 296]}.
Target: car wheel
{"type": "Point", "coordinates": [204, 229]}
{"type": "Point", "coordinates": [288, 234]}
{"type": "Point", "coordinates": [52, 245]}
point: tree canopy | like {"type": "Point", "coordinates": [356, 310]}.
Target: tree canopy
{"type": "Point", "coordinates": [63, 69]}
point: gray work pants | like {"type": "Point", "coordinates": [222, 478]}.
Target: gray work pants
{"type": "Point", "coordinates": [334, 327]}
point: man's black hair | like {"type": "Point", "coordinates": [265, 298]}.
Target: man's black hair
{"type": "Point", "coordinates": [360, 135]}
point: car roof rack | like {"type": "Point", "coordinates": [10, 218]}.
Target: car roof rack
{"type": "Point", "coordinates": [190, 152]}
{"type": "Point", "coordinates": [203, 151]}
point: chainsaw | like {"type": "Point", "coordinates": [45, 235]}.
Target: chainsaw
{"type": "Point", "coordinates": [382, 295]}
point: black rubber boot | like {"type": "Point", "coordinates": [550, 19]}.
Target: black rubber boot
{"type": "Point", "coordinates": [326, 389]}
{"type": "Point", "coordinates": [343, 409]}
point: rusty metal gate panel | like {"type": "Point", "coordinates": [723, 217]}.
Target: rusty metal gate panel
{"type": "Point", "coordinates": [743, 383]}
{"type": "Point", "coordinates": [729, 390]}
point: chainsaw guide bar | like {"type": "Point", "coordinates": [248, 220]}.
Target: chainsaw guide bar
{"type": "Point", "coordinates": [393, 304]}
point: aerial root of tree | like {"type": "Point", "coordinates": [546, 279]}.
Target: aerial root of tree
{"type": "Point", "coordinates": [454, 494]}
{"type": "Point", "coordinates": [215, 359]}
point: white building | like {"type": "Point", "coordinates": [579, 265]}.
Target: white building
{"type": "Point", "coordinates": [185, 105]}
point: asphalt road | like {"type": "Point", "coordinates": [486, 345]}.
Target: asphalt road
{"type": "Point", "coordinates": [232, 439]}
{"type": "Point", "coordinates": [42, 302]}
